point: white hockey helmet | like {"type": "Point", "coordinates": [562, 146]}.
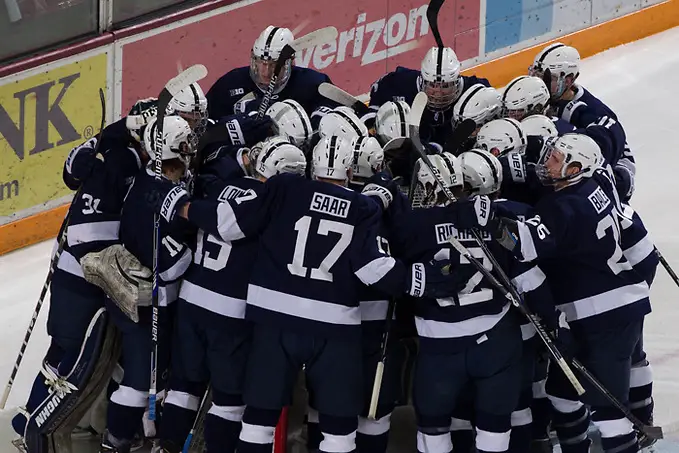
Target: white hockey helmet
{"type": "Point", "coordinates": [523, 96]}
{"type": "Point", "coordinates": [292, 121]}
{"type": "Point", "coordinates": [562, 153]}
{"type": "Point", "coordinates": [501, 136]}
{"type": "Point", "coordinates": [539, 125]}
{"type": "Point", "coordinates": [368, 158]}
{"type": "Point", "coordinates": [332, 158]}
{"type": "Point", "coordinates": [482, 172]}
{"type": "Point", "coordinates": [427, 191]}
{"type": "Point", "coordinates": [441, 80]}
{"type": "Point", "coordinates": [278, 155]}
{"type": "Point", "coordinates": [562, 60]}
{"type": "Point", "coordinates": [176, 139]}
{"type": "Point", "coordinates": [343, 122]}
{"type": "Point", "coordinates": [190, 100]}
{"type": "Point", "coordinates": [479, 103]}
{"type": "Point", "coordinates": [265, 51]}
{"type": "Point", "coordinates": [391, 121]}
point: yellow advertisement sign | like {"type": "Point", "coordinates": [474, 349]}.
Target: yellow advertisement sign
{"type": "Point", "coordinates": [42, 118]}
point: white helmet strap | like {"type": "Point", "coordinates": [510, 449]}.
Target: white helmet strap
{"type": "Point", "coordinates": [496, 177]}
{"type": "Point", "coordinates": [350, 121]}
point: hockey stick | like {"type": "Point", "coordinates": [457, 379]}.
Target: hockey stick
{"type": "Point", "coordinates": [652, 432]}
{"type": "Point", "coordinates": [171, 89]}
{"type": "Point", "coordinates": [379, 372]}
{"type": "Point", "coordinates": [197, 420]}
{"type": "Point", "coordinates": [61, 240]}
{"type": "Point", "coordinates": [335, 93]}
{"type": "Point", "coordinates": [667, 266]}
{"type": "Point", "coordinates": [506, 288]}
{"type": "Point", "coordinates": [315, 38]}
{"type": "Point", "coordinates": [433, 17]}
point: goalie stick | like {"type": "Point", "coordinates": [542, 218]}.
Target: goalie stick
{"type": "Point", "coordinates": [171, 89]}
{"type": "Point", "coordinates": [506, 288]}
{"type": "Point", "coordinates": [315, 38]}
{"type": "Point", "coordinates": [335, 93]}
{"type": "Point", "coordinates": [61, 240]}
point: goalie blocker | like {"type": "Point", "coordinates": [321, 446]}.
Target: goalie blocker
{"type": "Point", "coordinates": [72, 389]}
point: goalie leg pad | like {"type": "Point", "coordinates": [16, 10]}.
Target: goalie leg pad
{"type": "Point", "coordinates": [72, 391]}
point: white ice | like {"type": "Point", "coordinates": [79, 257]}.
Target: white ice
{"type": "Point", "coordinates": [636, 80]}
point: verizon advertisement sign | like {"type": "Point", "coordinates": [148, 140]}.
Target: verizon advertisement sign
{"type": "Point", "coordinates": [374, 38]}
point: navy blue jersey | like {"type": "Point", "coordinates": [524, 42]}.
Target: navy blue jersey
{"type": "Point", "coordinates": [315, 238]}
{"type": "Point", "coordinates": [584, 99]}
{"type": "Point", "coordinates": [95, 213]}
{"type": "Point", "coordinates": [422, 235]}
{"type": "Point", "coordinates": [403, 84]}
{"type": "Point", "coordinates": [562, 126]}
{"type": "Point", "coordinates": [136, 234]}
{"type": "Point", "coordinates": [636, 244]}
{"type": "Point", "coordinates": [301, 87]}
{"type": "Point", "coordinates": [576, 238]}
{"type": "Point", "coordinates": [218, 278]}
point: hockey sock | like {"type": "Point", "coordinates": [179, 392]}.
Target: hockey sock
{"type": "Point", "coordinates": [434, 443]}
{"type": "Point", "coordinates": [257, 432]}
{"type": "Point", "coordinates": [373, 435]}
{"type": "Point", "coordinates": [617, 433]}
{"type": "Point", "coordinates": [125, 412]}
{"type": "Point", "coordinates": [462, 435]}
{"type": "Point", "coordinates": [570, 419]}
{"type": "Point", "coordinates": [339, 434]}
{"type": "Point", "coordinates": [492, 432]}
{"type": "Point", "coordinates": [314, 435]}
{"type": "Point", "coordinates": [222, 428]}
{"type": "Point", "coordinates": [179, 412]}
{"type": "Point", "coordinates": [522, 423]}
{"type": "Point", "coordinates": [641, 392]}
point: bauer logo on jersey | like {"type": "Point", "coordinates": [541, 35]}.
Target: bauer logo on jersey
{"type": "Point", "coordinates": [328, 204]}
{"type": "Point", "coordinates": [230, 193]}
{"type": "Point", "coordinates": [599, 200]}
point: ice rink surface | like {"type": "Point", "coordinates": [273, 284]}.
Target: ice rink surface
{"type": "Point", "coordinates": [636, 80]}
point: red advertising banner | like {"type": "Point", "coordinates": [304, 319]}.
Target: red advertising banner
{"type": "Point", "coordinates": [374, 38]}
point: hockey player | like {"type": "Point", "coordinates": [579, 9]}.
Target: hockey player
{"type": "Point", "coordinates": [128, 402]}
{"type": "Point", "coordinates": [523, 96]}
{"type": "Point", "coordinates": [315, 237]}
{"type": "Point", "coordinates": [481, 104]}
{"type": "Point", "coordinates": [575, 235]}
{"type": "Point", "coordinates": [211, 337]}
{"type": "Point", "coordinates": [293, 122]}
{"type": "Point", "coordinates": [541, 126]}
{"type": "Point", "coordinates": [232, 92]}
{"type": "Point", "coordinates": [443, 84]}
{"type": "Point", "coordinates": [568, 97]}
{"type": "Point", "coordinates": [469, 342]}
{"type": "Point", "coordinates": [101, 172]}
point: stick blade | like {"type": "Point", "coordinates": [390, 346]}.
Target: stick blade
{"type": "Point", "coordinates": [654, 432]}
{"type": "Point", "coordinates": [316, 38]}
{"type": "Point", "coordinates": [417, 109]}
{"type": "Point", "coordinates": [186, 78]}
{"type": "Point", "coordinates": [335, 93]}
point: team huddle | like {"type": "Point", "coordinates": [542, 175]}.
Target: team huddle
{"type": "Point", "coordinates": [360, 245]}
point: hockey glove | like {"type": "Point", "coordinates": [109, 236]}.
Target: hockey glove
{"type": "Point", "coordinates": [624, 182]}
{"type": "Point", "coordinates": [166, 198]}
{"type": "Point", "coordinates": [433, 148]}
{"type": "Point", "coordinates": [381, 187]}
{"type": "Point", "coordinates": [247, 130]}
{"type": "Point", "coordinates": [432, 279]}
{"type": "Point", "coordinates": [563, 337]}
{"type": "Point", "coordinates": [143, 111]}
{"type": "Point", "coordinates": [82, 162]}
{"type": "Point", "coordinates": [473, 212]}
{"type": "Point", "coordinates": [534, 146]}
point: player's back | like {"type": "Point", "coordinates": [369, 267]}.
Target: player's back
{"type": "Point", "coordinates": [217, 279]}
{"type": "Point", "coordinates": [422, 236]}
{"type": "Point", "coordinates": [591, 279]}
{"type": "Point", "coordinates": [315, 238]}
{"type": "Point", "coordinates": [136, 234]}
